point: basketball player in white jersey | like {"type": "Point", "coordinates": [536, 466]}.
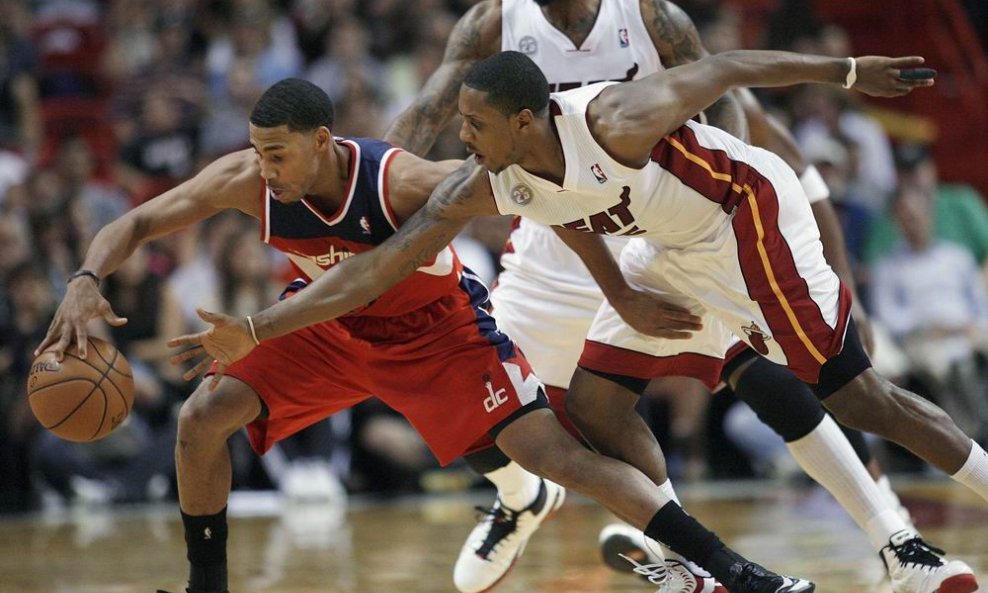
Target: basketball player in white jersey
{"type": "Point", "coordinates": [618, 159]}
{"type": "Point", "coordinates": [546, 300]}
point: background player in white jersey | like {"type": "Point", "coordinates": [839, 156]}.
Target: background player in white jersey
{"type": "Point", "coordinates": [546, 300]}
{"type": "Point", "coordinates": [505, 102]}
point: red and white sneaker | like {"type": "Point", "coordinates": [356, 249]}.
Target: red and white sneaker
{"type": "Point", "coordinates": [917, 567]}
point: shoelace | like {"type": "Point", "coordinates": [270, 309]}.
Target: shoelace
{"type": "Point", "coordinates": [655, 573]}
{"type": "Point", "coordinates": [919, 553]}
{"type": "Point", "coordinates": [503, 524]}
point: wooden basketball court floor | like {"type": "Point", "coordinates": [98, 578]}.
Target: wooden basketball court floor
{"type": "Point", "coordinates": [410, 546]}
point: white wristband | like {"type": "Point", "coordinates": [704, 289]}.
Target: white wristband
{"type": "Point", "coordinates": [813, 184]}
{"type": "Point", "coordinates": [253, 334]}
{"type": "Point", "coordinates": [852, 74]}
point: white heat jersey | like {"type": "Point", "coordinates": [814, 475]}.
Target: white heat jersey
{"type": "Point", "coordinates": [673, 204]}
{"type": "Point", "coordinates": [721, 228]}
{"type": "Point", "coordinates": [618, 48]}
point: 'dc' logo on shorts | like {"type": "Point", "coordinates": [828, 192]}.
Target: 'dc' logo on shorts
{"type": "Point", "coordinates": [528, 45]}
{"type": "Point", "coordinates": [521, 195]}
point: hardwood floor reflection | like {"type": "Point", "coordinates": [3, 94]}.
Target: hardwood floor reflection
{"type": "Point", "coordinates": [410, 547]}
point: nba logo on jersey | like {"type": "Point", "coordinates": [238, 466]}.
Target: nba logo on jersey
{"type": "Point", "coordinates": [623, 40]}
{"type": "Point", "coordinates": [527, 45]}
{"type": "Point", "coordinates": [598, 173]}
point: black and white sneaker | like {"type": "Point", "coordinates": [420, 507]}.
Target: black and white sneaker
{"type": "Point", "coordinates": [917, 567]}
{"type": "Point", "coordinates": [499, 539]}
{"type": "Point", "coordinates": [624, 548]}
{"type": "Point", "coordinates": [752, 578]}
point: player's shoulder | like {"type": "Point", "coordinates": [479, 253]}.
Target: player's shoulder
{"type": "Point", "coordinates": [232, 177]}
{"type": "Point", "coordinates": [479, 30]}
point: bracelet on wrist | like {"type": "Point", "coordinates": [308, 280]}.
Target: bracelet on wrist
{"type": "Point", "coordinates": [852, 74]}
{"type": "Point", "coordinates": [253, 334]}
{"type": "Point", "coordinates": [83, 272]}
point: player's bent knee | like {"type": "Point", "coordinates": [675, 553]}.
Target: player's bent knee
{"type": "Point", "coordinates": [218, 413]}
{"type": "Point", "coordinates": [596, 397]}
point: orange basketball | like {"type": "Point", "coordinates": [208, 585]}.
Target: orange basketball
{"type": "Point", "coordinates": [81, 399]}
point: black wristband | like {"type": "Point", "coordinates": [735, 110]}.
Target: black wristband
{"type": "Point", "coordinates": [79, 273]}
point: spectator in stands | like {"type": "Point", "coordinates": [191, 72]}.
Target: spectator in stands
{"type": "Point", "coordinates": [31, 305]}
{"type": "Point", "coordinates": [347, 54]}
{"type": "Point", "coordinates": [164, 150]}
{"type": "Point", "coordinates": [822, 112]}
{"type": "Point", "coordinates": [93, 203]}
{"type": "Point", "coordinates": [223, 129]}
{"type": "Point", "coordinates": [153, 316]}
{"type": "Point", "coordinates": [929, 294]}
{"type": "Point", "coordinates": [959, 212]}
{"type": "Point", "coordinates": [20, 110]}
{"type": "Point", "coordinates": [835, 163]}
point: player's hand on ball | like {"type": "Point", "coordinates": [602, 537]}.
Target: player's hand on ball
{"type": "Point", "coordinates": [891, 77]}
{"type": "Point", "coordinates": [652, 316]}
{"type": "Point", "coordinates": [227, 341]}
{"type": "Point", "coordinates": [82, 303]}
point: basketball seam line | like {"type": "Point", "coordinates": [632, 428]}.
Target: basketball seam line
{"type": "Point", "coordinates": [106, 404]}
{"type": "Point", "coordinates": [121, 396]}
{"type": "Point", "coordinates": [88, 395]}
{"type": "Point", "coordinates": [98, 353]}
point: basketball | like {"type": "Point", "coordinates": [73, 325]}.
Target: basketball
{"type": "Point", "coordinates": [81, 399]}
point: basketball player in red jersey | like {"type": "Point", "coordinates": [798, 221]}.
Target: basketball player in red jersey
{"type": "Point", "coordinates": [427, 347]}
{"type": "Point", "coordinates": [546, 300]}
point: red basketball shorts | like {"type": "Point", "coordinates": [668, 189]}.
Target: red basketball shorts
{"type": "Point", "coordinates": [445, 367]}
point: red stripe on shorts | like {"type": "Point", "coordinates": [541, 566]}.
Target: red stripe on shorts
{"type": "Point", "coordinates": [631, 363]}
{"type": "Point", "coordinates": [773, 281]}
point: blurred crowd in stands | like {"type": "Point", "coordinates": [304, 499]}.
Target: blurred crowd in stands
{"type": "Point", "coordinates": [106, 103]}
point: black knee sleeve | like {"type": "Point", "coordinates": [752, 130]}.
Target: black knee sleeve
{"type": "Point", "coordinates": [843, 368]}
{"type": "Point", "coordinates": [783, 402]}
{"type": "Point", "coordinates": [488, 460]}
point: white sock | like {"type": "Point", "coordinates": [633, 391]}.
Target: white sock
{"type": "Point", "coordinates": [827, 456]}
{"type": "Point", "coordinates": [667, 489]}
{"type": "Point", "coordinates": [516, 487]}
{"type": "Point", "coordinates": [974, 472]}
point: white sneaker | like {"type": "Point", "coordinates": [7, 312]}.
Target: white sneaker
{"type": "Point", "coordinates": [917, 567]}
{"type": "Point", "coordinates": [500, 538]}
{"type": "Point", "coordinates": [625, 549]}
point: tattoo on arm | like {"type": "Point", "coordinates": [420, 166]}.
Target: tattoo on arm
{"type": "Point", "coordinates": [674, 34]}
{"type": "Point", "coordinates": [678, 42]}
{"type": "Point", "coordinates": [431, 229]}
{"type": "Point", "coordinates": [418, 126]}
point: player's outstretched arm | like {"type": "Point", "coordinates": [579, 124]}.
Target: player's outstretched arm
{"type": "Point", "coordinates": [628, 119]}
{"type": "Point", "coordinates": [477, 35]}
{"type": "Point", "coordinates": [223, 184]}
{"type": "Point", "coordinates": [643, 311]}
{"type": "Point", "coordinates": [352, 283]}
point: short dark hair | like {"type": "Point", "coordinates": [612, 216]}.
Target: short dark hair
{"type": "Point", "coordinates": [293, 102]}
{"type": "Point", "coordinates": [512, 82]}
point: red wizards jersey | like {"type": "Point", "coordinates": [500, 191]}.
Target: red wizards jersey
{"type": "Point", "coordinates": [315, 241]}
